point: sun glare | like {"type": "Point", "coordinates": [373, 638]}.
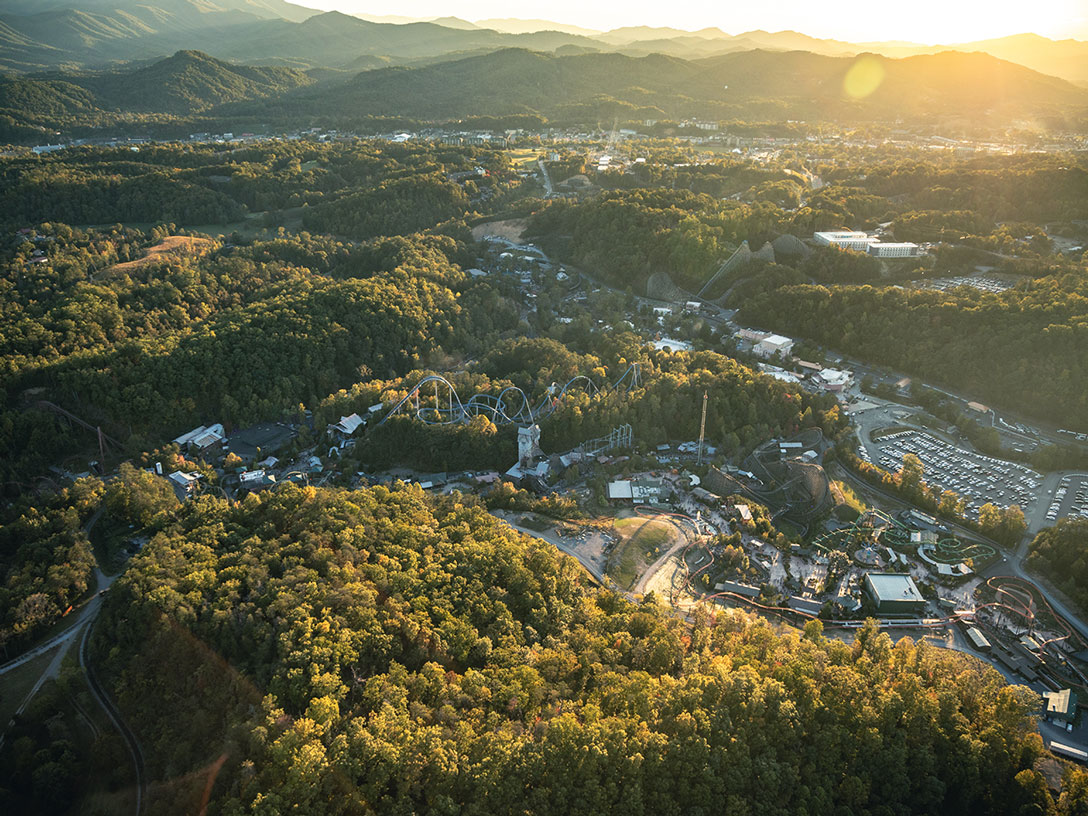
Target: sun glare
{"type": "Point", "coordinates": [863, 78]}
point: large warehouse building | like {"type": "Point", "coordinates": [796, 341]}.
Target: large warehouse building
{"type": "Point", "coordinates": [894, 594]}
{"type": "Point", "coordinates": [844, 239]}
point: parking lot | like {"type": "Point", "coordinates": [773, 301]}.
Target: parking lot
{"type": "Point", "coordinates": [1070, 499]}
{"type": "Point", "coordinates": [977, 478]}
{"type": "Point", "coordinates": [984, 283]}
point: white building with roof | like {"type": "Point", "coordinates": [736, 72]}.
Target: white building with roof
{"type": "Point", "coordinates": [347, 424]}
{"type": "Point", "coordinates": [202, 437]}
{"type": "Point", "coordinates": [773, 344]}
{"type": "Point", "coordinates": [185, 481]}
{"type": "Point", "coordinates": [833, 379]}
{"type": "Point", "coordinates": [845, 239]}
{"type": "Point", "coordinates": [894, 250]}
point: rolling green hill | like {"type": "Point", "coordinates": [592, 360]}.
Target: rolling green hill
{"type": "Point", "coordinates": [62, 33]}
{"type": "Point", "coordinates": [748, 84]}
{"type": "Point", "coordinates": [182, 85]}
{"type": "Point", "coordinates": [190, 82]}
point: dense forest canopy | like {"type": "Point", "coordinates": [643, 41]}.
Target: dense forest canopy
{"type": "Point", "coordinates": [1059, 553]}
{"type": "Point", "coordinates": [377, 651]}
{"type": "Point", "coordinates": [235, 331]}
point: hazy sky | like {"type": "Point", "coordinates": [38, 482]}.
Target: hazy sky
{"type": "Point", "coordinates": [926, 21]}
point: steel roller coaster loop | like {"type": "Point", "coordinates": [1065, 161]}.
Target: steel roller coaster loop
{"type": "Point", "coordinates": [434, 400]}
{"type": "Point", "coordinates": [1023, 599]}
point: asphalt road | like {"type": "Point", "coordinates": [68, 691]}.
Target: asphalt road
{"type": "Point", "coordinates": [115, 717]}
{"type": "Point", "coordinates": [85, 614]}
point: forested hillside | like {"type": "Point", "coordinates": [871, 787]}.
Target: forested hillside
{"type": "Point", "coordinates": [237, 332]}
{"type": "Point", "coordinates": [627, 236]}
{"type": "Point", "coordinates": [1022, 348]}
{"type": "Point", "coordinates": [973, 92]}
{"type": "Point", "coordinates": [385, 652]}
{"type": "Point", "coordinates": [1059, 553]}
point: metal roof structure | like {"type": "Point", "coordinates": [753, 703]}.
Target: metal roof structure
{"type": "Point", "coordinates": [890, 586]}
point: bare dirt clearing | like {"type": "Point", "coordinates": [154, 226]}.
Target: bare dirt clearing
{"type": "Point", "coordinates": [510, 229]}
{"type": "Point", "coordinates": [171, 245]}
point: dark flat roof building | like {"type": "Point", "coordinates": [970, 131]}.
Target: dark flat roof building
{"type": "Point", "coordinates": [893, 593]}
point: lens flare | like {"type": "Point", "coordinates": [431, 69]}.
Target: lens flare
{"type": "Point", "coordinates": [864, 77]}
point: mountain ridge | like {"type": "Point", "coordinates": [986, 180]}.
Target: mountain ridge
{"type": "Point", "coordinates": [51, 34]}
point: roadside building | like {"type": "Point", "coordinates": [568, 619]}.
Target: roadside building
{"type": "Point", "coordinates": [750, 335]}
{"type": "Point", "coordinates": [347, 425]}
{"type": "Point", "coordinates": [805, 606]}
{"type": "Point", "coordinates": [894, 594]}
{"type": "Point", "coordinates": [894, 250]}
{"type": "Point", "coordinates": [844, 239]}
{"type": "Point", "coordinates": [213, 435]}
{"type": "Point", "coordinates": [1060, 706]}
{"type": "Point", "coordinates": [773, 344]}
{"type": "Point", "coordinates": [620, 491]}
{"type": "Point", "coordinates": [186, 482]}
{"type": "Point", "coordinates": [255, 480]}
{"type": "Point", "coordinates": [978, 640]}
{"type": "Point", "coordinates": [833, 379]}
{"type": "Point", "coordinates": [744, 590]}
{"type": "Point", "coordinates": [202, 437]}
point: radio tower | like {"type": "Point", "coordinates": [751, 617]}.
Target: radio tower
{"type": "Point", "coordinates": [702, 431]}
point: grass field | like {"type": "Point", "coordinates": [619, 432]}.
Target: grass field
{"type": "Point", "coordinates": [17, 683]}
{"type": "Point", "coordinates": [522, 156]}
{"type": "Point", "coordinates": [641, 541]}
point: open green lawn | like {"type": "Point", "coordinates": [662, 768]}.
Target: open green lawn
{"type": "Point", "coordinates": [641, 541]}
{"type": "Point", "coordinates": [17, 683]}
{"type": "Point", "coordinates": [522, 156]}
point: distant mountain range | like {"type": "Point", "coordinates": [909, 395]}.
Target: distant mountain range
{"type": "Point", "coordinates": [38, 35]}
{"type": "Point", "coordinates": [746, 85]}
{"type": "Point", "coordinates": [962, 91]}
{"type": "Point", "coordinates": [186, 84]}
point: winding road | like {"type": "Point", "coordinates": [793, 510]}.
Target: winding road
{"type": "Point", "coordinates": [82, 623]}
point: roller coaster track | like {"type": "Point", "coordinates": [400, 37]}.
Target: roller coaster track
{"type": "Point", "coordinates": [1018, 596]}
{"type": "Point", "coordinates": [443, 405]}
{"type": "Point", "coordinates": [104, 439]}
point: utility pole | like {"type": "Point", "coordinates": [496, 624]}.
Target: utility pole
{"type": "Point", "coordinates": [702, 431]}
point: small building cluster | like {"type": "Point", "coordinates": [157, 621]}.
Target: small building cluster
{"type": "Point", "coordinates": [863, 242]}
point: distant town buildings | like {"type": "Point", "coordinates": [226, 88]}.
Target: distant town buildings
{"type": "Point", "coordinates": [894, 250]}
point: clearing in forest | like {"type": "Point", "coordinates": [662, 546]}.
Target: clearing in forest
{"type": "Point", "coordinates": [641, 541]}
{"type": "Point", "coordinates": [511, 229]}
{"type": "Point", "coordinates": [170, 245]}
